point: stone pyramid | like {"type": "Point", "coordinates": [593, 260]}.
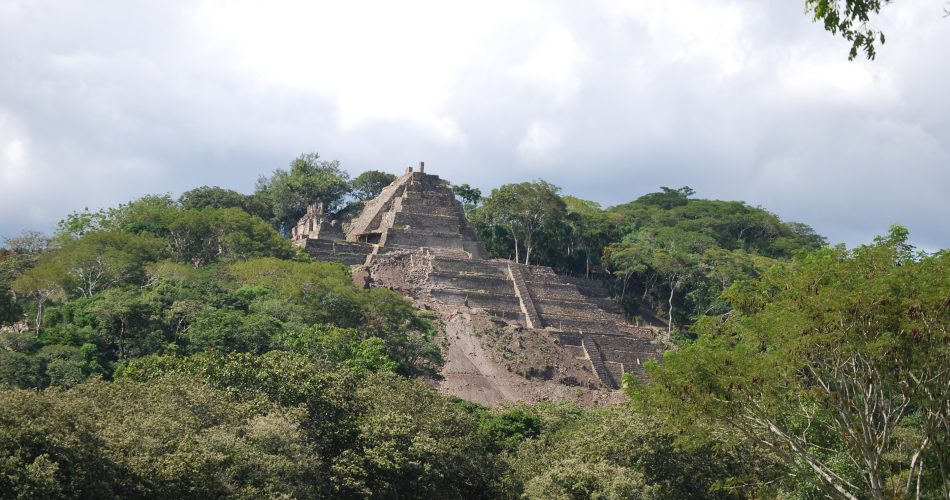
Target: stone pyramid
{"type": "Point", "coordinates": [418, 212]}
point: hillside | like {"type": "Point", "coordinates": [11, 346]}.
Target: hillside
{"type": "Point", "coordinates": [324, 337]}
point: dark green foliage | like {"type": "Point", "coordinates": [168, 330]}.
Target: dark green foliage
{"type": "Point", "coordinates": [309, 180]}
{"type": "Point", "coordinates": [677, 254]}
{"type": "Point", "coordinates": [852, 20]}
{"type": "Point", "coordinates": [217, 197]}
{"type": "Point", "coordinates": [835, 364]}
{"type": "Point", "coordinates": [467, 194]}
{"type": "Point", "coordinates": [517, 219]}
{"type": "Point", "coordinates": [185, 350]}
{"type": "Point", "coordinates": [511, 427]}
{"type": "Point", "coordinates": [9, 309]}
{"type": "Point", "coordinates": [369, 184]}
{"type": "Point", "coordinates": [616, 453]}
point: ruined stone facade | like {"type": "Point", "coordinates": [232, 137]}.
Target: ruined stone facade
{"type": "Point", "coordinates": [314, 225]}
{"type": "Point", "coordinates": [418, 212]}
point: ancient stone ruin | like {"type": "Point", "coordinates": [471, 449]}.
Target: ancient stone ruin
{"type": "Point", "coordinates": [417, 220]}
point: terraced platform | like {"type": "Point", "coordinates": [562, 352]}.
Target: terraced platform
{"type": "Point", "coordinates": [419, 213]}
{"type": "Point", "coordinates": [544, 301]}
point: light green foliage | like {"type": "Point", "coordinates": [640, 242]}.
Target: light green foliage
{"type": "Point", "coordinates": [591, 230]}
{"type": "Point", "coordinates": [571, 479]}
{"type": "Point", "coordinates": [93, 263]}
{"type": "Point", "coordinates": [616, 453]}
{"type": "Point", "coordinates": [173, 437]}
{"type": "Point", "coordinates": [348, 347]}
{"type": "Point", "coordinates": [202, 236]}
{"type": "Point", "coordinates": [309, 180]}
{"type": "Point", "coordinates": [852, 20]}
{"type": "Point", "coordinates": [414, 443]}
{"type": "Point", "coordinates": [380, 435]}
{"type": "Point", "coordinates": [836, 364]}
{"type": "Point", "coordinates": [325, 294]}
{"type": "Point", "coordinates": [522, 217]}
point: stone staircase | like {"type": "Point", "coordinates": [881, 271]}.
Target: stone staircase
{"type": "Point", "coordinates": [347, 252]}
{"type": "Point", "coordinates": [419, 211]}
{"type": "Point", "coordinates": [524, 296]}
{"type": "Point", "coordinates": [482, 284]}
{"type": "Point", "coordinates": [597, 361]}
{"type": "Point", "coordinates": [539, 299]}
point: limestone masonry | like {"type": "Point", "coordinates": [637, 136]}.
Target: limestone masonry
{"type": "Point", "coordinates": [418, 214]}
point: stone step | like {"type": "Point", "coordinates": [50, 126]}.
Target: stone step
{"type": "Point", "coordinates": [554, 291]}
{"type": "Point", "coordinates": [483, 300]}
{"type": "Point", "coordinates": [416, 238]}
{"type": "Point", "coordinates": [524, 296]}
{"type": "Point", "coordinates": [348, 253]}
{"type": "Point", "coordinates": [571, 324]}
{"type": "Point", "coordinates": [429, 222]}
{"type": "Point", "coordinates": [566, 307]}
{"type": "Point", "coordinates": [597, 362]}
{"type": "Point", "coordinates": [472, 282]}
{"type": "Point", "coordinates": [471, 266]}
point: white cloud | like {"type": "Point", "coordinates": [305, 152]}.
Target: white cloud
{"type": "Point", "coordinates": [554, 66]}
{"type": "Point", "coordinates": [540, 141]}
{"type": "Point", "coordinates": [14, 172]}
{"type": "Point", "coordinates": [107, 101]}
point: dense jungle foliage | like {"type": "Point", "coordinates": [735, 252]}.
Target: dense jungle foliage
{"type": "Point", "coordinates": [183, 348]}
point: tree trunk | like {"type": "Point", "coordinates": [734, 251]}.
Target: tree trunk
{"type": "Point", "coordinates": [669, 326]}
{"type": "Point", "coordinates": [517, 254]}
{"type": "Point", "coordinates": [39, 316]}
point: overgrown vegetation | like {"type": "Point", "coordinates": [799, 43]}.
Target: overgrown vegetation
{"type": "Point", "coordinates": [182, 348]}
{"type": "Point", "coordinates": [667, 253]}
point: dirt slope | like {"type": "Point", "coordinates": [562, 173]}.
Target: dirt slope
{"type": "Point", "coordinates": [488, 361]}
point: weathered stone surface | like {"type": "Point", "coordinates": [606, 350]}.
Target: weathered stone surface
{"type": "Point", "coordinates": [418, 215]}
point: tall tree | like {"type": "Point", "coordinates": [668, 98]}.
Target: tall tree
{"type": "Point", "coordinates": [592, 229]}
{"type": "Point", "coordinates": [309, 180]}
{"type": "Point", "coordinates": [369, 184]}
{"type": "Point", "coordinates": [528, 211]}
{"type": "Point", "coordinates": [837, 366]}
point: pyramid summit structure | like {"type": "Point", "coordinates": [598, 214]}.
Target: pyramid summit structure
{"type": "Point", "coordinates": [418, 214]}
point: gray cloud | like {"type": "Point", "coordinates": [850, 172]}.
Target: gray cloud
{"type": "Point", "coordinates": [103, 102]}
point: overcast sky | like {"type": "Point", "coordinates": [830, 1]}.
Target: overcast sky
{"type": "Point", "coordinates": [104, 101]}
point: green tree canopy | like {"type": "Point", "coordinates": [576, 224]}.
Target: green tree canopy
{"type": "Point", "coordinates": [837, 365]}
{"type": "Point", "coordinates": [309, 180]}
{"type": "Point", "coordinates": [852, 19]}
{"type": "Point", "coordinates": [369, 184]}
{"type": "Point", "coordinates": [529, 212]}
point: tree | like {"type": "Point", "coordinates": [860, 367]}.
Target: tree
{"type": "Point", "coordinates": [199, 237]}
{"type": "Point", "coordinates": [369, 184]}
{"type": "Point", "coordinates": [528, 211]}
{"type": "Point", "coordinates": [309, 180]}
{"type": "Point", "coordinates": [852, 19]}
{"type": "Point", "coordinates": [42, 283]}
{"type": "Point", "coordinates": [592, 230]}
{"type": "Point", "coordinates": [837, 366]}
{"type": "Point", "coordinates": [467, 194]}
{"type": "Point", "coordinates": [667, 197]}
{"type": "Point", "coordinates": [217, 197]}
{"type": "Point", "coordinates": [92, 263]}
